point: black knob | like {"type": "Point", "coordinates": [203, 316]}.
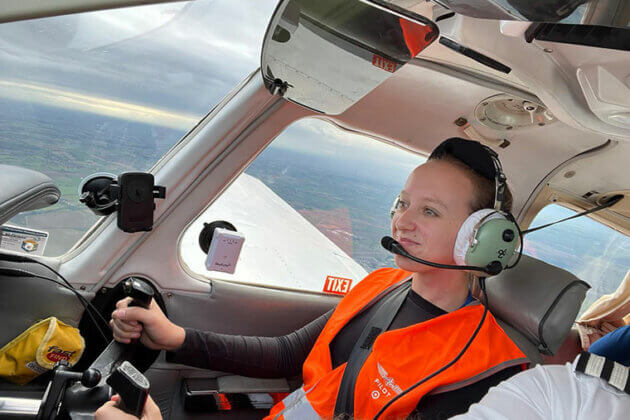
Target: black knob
{"type": "Point", "coordinates": [508, 235]}
{"type": "Point", "coordinates": [494, 268]}
{"type": "Point", "coordinates": [90, 378]}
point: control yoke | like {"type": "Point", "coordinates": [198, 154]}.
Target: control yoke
{"type": "Point", "coordinates": [110, 369]}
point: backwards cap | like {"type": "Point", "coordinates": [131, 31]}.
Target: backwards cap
{"type": "Point", "coordinates": [470, 152]}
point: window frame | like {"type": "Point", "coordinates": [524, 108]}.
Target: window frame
{"type": "Point", "coordinates": [549, 196]}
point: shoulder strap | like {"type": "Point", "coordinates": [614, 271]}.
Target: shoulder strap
{"type": "Point", "coordinates": [384, 314]}
{"type": "Point", "coordinates": [612, 372]}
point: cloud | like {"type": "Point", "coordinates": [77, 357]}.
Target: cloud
{"type": "Point", "coordinates": [95, 105]}
{"type": "Point", "coordinates": [165, 64]}
{"type": "Point", "coordinates": [182, 56]}
{"type": "Point", "coordinates": [110, 26]}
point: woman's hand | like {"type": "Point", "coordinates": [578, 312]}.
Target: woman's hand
{"type": "Point", "coordinates": [151, 326]}
{"type": "Point", "coordinates": [109, 411]}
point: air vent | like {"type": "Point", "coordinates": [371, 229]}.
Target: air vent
{"type": "Point", "coordinates": [507, 112]}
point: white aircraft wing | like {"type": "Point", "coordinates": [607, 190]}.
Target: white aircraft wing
{"type": "Point", "coordinates": [281, 249]}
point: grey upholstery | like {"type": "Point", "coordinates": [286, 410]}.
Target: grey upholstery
{"type": "Point", "coordinates": [23, 190]}
{"type": "Point", "coordinates": [537, 300]}
{"type": "Point", "coordinates": [526, 346]}
{"type": "Point", "coordinates": [26, 300]}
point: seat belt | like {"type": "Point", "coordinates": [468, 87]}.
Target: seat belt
{"type": "Point", "coordinates": [381, 320]}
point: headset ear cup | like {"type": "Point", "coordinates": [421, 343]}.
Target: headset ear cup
{"type": "Point", "coordinates": [465, 236]}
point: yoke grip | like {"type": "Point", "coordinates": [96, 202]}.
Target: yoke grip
{"type": "Point", "coordinates": [139, 291]}
{"type": "Point", "coordinates": [132, 386]}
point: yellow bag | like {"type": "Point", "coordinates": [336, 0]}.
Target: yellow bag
{"type": "Point", "coordinates": [37, 350]}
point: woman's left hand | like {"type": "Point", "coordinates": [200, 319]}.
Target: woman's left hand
{"type": "Point", "coordinates": [109, 411]}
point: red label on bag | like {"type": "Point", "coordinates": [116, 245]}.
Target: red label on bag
{"type": "Point", "coordinates": [337, 285]}
{"type": "Point", "coordinates": [56, 354]}
{"type": "Point", "coordinates": [383, 63]}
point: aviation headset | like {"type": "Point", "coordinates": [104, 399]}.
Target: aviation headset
{"type": "Point", "coordinates": [487, 236]}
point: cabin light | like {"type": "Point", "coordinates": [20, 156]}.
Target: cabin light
{"type": "Point", "coordinates": [507, 112]}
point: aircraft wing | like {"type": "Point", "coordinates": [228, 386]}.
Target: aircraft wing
{"type": "Point", "coordinates": [281, 248]}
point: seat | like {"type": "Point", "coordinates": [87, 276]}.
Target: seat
{"type": "Point", "coordinates": [536, 304]}
{"type": "Point", "coordinates": [23, 189]}
{"type": "Point", "coordinates": [567, 352]}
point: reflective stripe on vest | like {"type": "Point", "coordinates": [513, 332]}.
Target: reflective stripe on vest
{"type": "Point", "coordinates": [399, 358]}
{"type": "Point", "coordinates": [297, 406]}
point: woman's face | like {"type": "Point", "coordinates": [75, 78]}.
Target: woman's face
{"type": "Point", "coordinates": [434, 203]}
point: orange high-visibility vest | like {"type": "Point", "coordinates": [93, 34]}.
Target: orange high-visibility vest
{"type": "Point", "coordinates": [399, 358]}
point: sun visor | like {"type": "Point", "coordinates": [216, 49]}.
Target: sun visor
{"type": "Point", "coordinates": [24, 190]}
{"type": "Point", "coordinates": [328, 54]}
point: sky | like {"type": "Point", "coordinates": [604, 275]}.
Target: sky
{"type": "Point", "coordinates": [164, 64]}
{"type": "Point", "coordinates": [178, 57]}
{"type": "Point", "coordinates": [319, 137]}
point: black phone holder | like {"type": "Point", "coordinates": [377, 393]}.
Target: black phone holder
{"type": "Point", "coordinates": [131, 195]}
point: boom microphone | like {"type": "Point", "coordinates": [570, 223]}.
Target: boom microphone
{"type": "Point", "coordinates": [394, 247]}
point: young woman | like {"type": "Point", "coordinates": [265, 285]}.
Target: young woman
{"type": "Point", "coordinates": [433, 317]}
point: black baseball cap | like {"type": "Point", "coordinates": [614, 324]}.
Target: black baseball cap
{"type": "Point", "coordinates": [470, 152]}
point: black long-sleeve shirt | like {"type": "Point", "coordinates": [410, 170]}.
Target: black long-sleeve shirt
{"type": "Point", "coordinates": [278, 357]}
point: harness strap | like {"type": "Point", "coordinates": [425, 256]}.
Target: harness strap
{"type": "Point", "coordinates": [612, 372]}
{"type": "Point", "coordinates": [384, 314]}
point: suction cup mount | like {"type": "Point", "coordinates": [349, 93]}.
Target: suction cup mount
{"type": "Point", "coordinates": [94, 192]}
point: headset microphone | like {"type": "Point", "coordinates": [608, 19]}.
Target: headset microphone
{"type": "Point", "coordinates": [394, 247]}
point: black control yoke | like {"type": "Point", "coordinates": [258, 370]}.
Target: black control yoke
{"type": "Point", "coordinates": [116, 352]}
{"type": "Point", "coordinates": [110, 368]}
{"type": "Point", "coordinates": [112, 363]}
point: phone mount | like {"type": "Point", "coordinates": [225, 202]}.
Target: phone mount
{"type": "Point", "coordinates": [131, 194]}
{"type": "Point", "coordinates": [94, 193]}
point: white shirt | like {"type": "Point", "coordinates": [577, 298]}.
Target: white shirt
{"type": "Point", "coordinates": [551, 392]}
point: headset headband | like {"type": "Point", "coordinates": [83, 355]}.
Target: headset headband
{"type": "Point", "coordinates": [499, 179]}
{"type": "Point", "coordinates": [481, 159]}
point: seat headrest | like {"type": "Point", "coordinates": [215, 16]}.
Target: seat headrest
{"type": "Point", "coordinates": [537, 299]}
{"type": "Point", "coordinates": [23, 189]}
